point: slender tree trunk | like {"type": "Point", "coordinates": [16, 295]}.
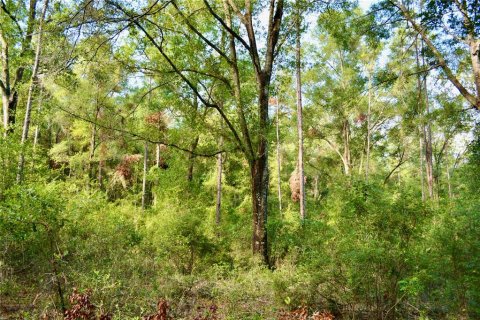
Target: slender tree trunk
{"type": "Point", "coordinates": [474, 45]}
{"type": "Point", "coordinates": [5, 108]}
{"type": "Point", "coordinates": [427, 134]}
{"type": "Point", "coordinates": [5, 83]}
{"type": "Point", "coordinates": [9, 90]}
{"type": "Point", "coordinates": [191, 159]}
{"type": "Point", "coordinates": [193, 146]}
{"type": "Point", "coordinates": [315, 187]}
{"type": "Point", "coordinates": [92, 150]}
{"type": "Point", "coordinates": [298, 70]}
{"type": "Point", "coordinates": [144, 180]}
{"type": "Point", "coordinates": [218, 206]}
{"type": "Point", "coordinates": [33, 83]}
{"type": "Point", "coordinates": [449, 183]}
{"type": "Point", "coordinates": [346, 147]}
{"type": "Point", "coordinates": [279, 161]}
{"type": "Point", "coordinates": [422, 179]}
{"type": "Point", "coordinates": [157, 155]}
{"type": "Point", "coordinates": [36, 133]}
{"type": "Point", "coordinates": [101, 159]}
{"type": "Point", "coordinates": [367, 160]}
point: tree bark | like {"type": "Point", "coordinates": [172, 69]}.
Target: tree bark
{"type": "Point", "coordinates": [33, 83]}
{"type": "Point", "coordinates": [346, 147]}
{"type": "Point", "coordinates": [218, 205]}
{"type": "Point", "coordinates": [427, 135]}
{"type": "Point", "coordinates": [259, 188]}
{"type": "Point", "coordinates": [279, 160]}
{"type": "Point", "coordinates": [298, 75]}
{"type": "Point", "coordinates": [367, 160]}
{"type": "Point", "coordinates": [449, 183]}
{"type": "Point", "coordinates": [422, 179]}
{"type": "Point", "coordinates": [191, 159]}
{"type": "Point", "coordinates": [474, 46]}
{"type": "Point", "coordinates": [144, 179]}
{"type": "Point", "coordinates": [315, 187]}
{"type": "Point", "coordinates": [7, 87]}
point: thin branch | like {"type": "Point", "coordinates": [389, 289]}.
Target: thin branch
{"type": "Point", "coordinates": [195, 30]}
{"type": "Point", "coordinates": [3, 5]}
{"type": "Point", "coordinates": [139, 136]}
{"type": "Point", "coordinates": [400, 163]}
{"type": "Point", "coordinates": [159, 47]}
{"type": "Point", "coordinates": [224, 25]}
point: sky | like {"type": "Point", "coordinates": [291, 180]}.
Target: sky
{"type": "Point", "coordinates": [365, 4]}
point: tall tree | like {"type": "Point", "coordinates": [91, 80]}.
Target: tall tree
{"type": "Point", "coordinates": [12, 37]}
{"type": "Point", "coordinates": [252, 142]}
{"type": "Point", "coordinates": [33, 84]}
{"type": "Point", "coordinates": [298, 77]}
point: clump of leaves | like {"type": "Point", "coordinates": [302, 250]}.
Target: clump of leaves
{"type": "Point", "coordinates": [82, 308]}
{"type": "Point", "coordinates": [124, 171]}
{"type": "Point", "coordinates": [157, 120]}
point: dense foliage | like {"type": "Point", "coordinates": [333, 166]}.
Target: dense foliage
{"type": "Point", "coordinates": [149, 160]}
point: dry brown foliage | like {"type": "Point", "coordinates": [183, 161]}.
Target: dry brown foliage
{"type": "Point", "coordinates": [158, 120]}
{"type": "Point", "coordinates": [124, 171]}
{"type": "Point", "coordinates": [162, 312]}
{"type": "Point", "coordinates": [82, 308]}
{"type": "Point", "coordinates": [294, 183]}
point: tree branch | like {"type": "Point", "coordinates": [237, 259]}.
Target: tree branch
{"type": "Point", "coordinates": [473, 100]}
{"type": "Point", "coordinates": [139, 136]}
{"type": "Point", "coordinates": [3, 5]}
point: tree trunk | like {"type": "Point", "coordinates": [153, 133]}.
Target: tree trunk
{"type": "Point", "coordinates": [259, 188]}
{"type": "Point", "coordinates": [92, 150]}
{"type": "Point", "coordinates": [9, 90]}
{"type": "Point", "coordinates": [315, 187]}
{"type": "Point", "coordinates": [157, 155]}
{"type": "Point", "coordinates": [422, 179]}
{"type": "Point", "coordinates": [279, 161]}
{"type": "Point", "coordinates": [346, 147]}
{"type": "Point", "coordinates": [218, 206]}
{"type": "Point", "coordinates": [101, 160]}
{"type": "Point", "coordinates": [427, 135]}
{"type": "Point", "coordinates": [33, 82]}
{"type": "Point", "coordinates": [450, 194]}
{"type": "Point", "coordinates": [191, 159]}
{"type": "Point", "coordinates": [301, 173]}
{"type": "Point", "coordinates": [144, 180]}
{"type": "Point", "coordinates": [367, 160]}
{"type": "Point", "coordinates": [474, 45]}
{"type": "Point", "coordinates": [9, 100]}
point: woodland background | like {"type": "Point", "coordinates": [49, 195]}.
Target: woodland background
{"type": "Point", "coordinates": [237, 159]}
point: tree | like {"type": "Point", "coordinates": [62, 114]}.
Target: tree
{"type": "Point", "coordinates": [33, 83]}
{"type": "Point", "coordinates": [298, 76]}
{"type": "Point", "coordinates": [13, 37]}
{"type": "Point", "coordinates": [462, 28]}
{"type": "Point", "coordinates": [252, 141]}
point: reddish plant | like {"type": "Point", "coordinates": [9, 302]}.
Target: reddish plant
{"type": "Point", "coordinates": [82, 308]}
{"type": "Point", "coordinates": [162, 312]}
{"type": "Point", "coordinates": [157, 119]}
